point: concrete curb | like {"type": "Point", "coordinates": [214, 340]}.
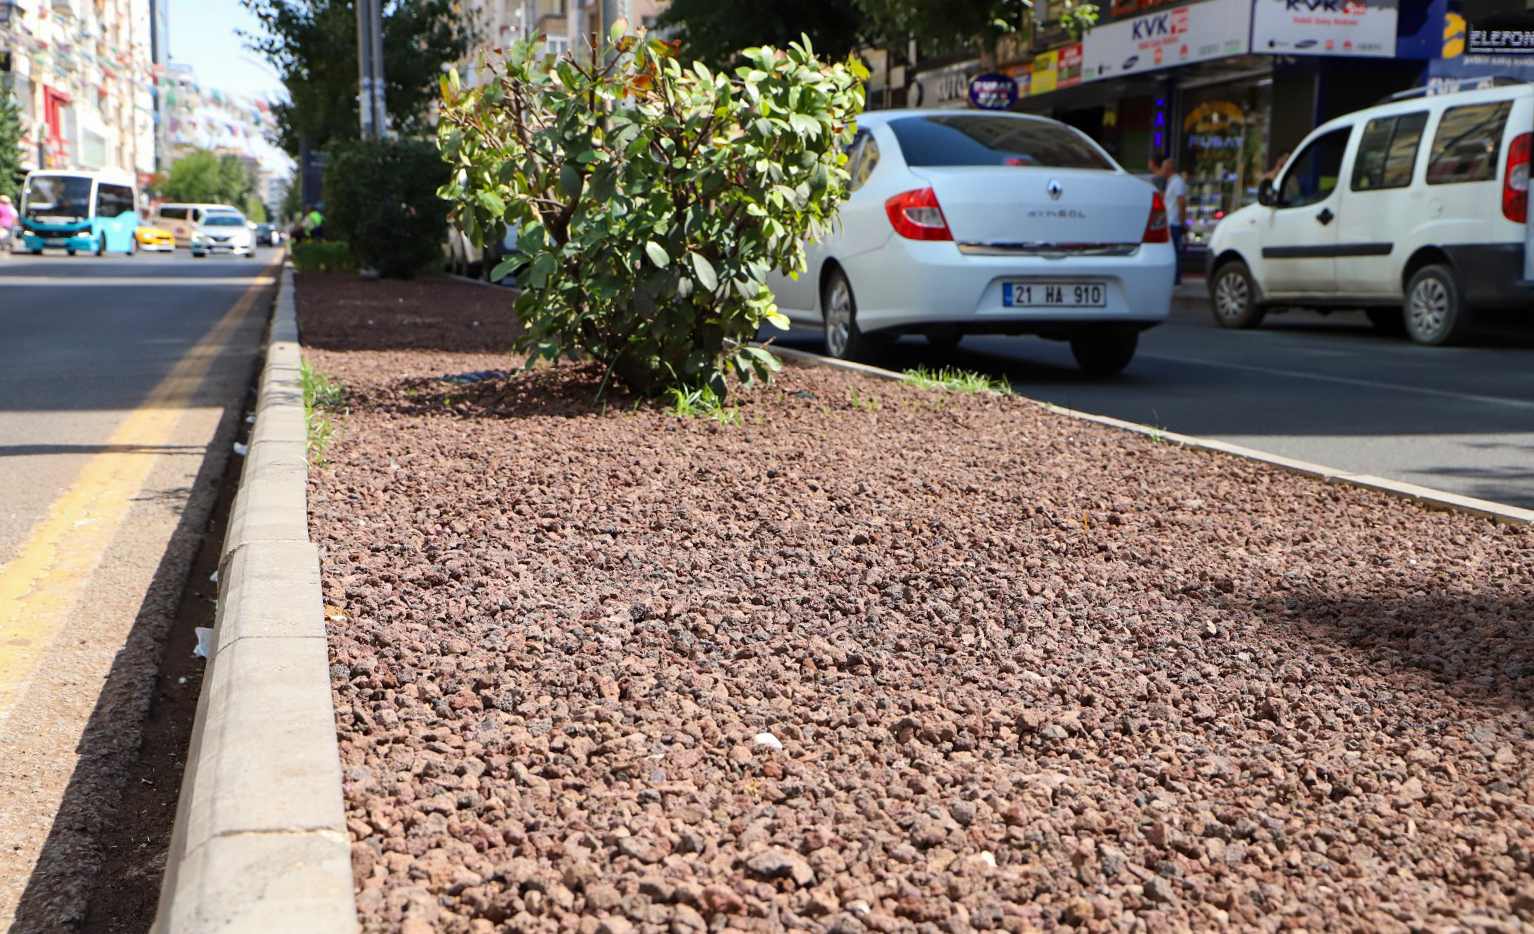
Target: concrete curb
{"type": "Point", "coordinates": [260, 841]}
{"type": "Point", "coordinates": [1433, 499]}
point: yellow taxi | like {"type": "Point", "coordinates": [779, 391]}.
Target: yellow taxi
{"type": "Point", "coordinates": [155, 238]}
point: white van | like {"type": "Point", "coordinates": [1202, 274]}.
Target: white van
{"type": "Point", "coordinates": [1413, 210]}
{"type": "Point", "coordinates": [182, 219]}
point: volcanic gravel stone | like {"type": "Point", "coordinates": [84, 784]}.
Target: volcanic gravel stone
{"type": "Point", "coordinates": [1027, 673]}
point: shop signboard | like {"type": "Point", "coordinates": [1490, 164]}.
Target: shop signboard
{"type": "Point", "coordinates": [1194, 32]}
{"type": "Point", "coordinates": [1068, 70]}
{"type": "Point", "coordinates": [943, 87]}
{"type": "Point", "coordinates": [1501, 41]}
{"type": "Point", "coordinates": [1046, 72]}
{"type": "Point", "coordinates": [1325, 27]}
{"type": "Point", "coordinates": [1022, 75]}
{"type": "Point", "coordinates": [993, 92]}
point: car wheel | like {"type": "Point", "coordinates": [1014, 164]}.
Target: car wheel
{"type": "Point", "coordinates": [70, 252]}
{"type": "Point", "coordinates": [844, 340]}
{"type": "Point", "coordinates": [197, 255]}
{"type": "Point", "coordinates": [1389, 321]}
{"type": "Point", "coordinates": [1104, 353]}
{"type": "Point", "coordinates": [1434, 312]}
{"type": "Point", "coordinates": [1233, 297]}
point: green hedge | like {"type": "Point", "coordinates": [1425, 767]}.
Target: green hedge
{"type": "Point", "coordinates": [322, 256]}
{"type": "Point", "coordinates": [381, 198]}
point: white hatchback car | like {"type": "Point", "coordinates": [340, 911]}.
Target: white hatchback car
{"type": "Point", "coordinates": [969, 222]}
{"type": "Point", "coordinates": [1413, 210]}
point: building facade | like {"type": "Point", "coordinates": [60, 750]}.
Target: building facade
{"type": "Point", "coordinates": [83, 72]}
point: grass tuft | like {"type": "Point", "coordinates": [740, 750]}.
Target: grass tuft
{"type": "Point", "coordinates": [956, 380]}
{"type": "Point", "coordinates": [323, 403]}
{"type": "Point", "coordinates": [701, 402]}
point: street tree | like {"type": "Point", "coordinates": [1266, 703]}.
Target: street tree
{"type": "Point", "coordinates": [715, 31]}
{"type": "Point", "coordinates": [205, 177]}
{"type": "Point", "coordinates": [313, 46]}
{"type": "Point", "coordinates": [10, 140]}
{"type": "Point", "coordinates": [944, 26]}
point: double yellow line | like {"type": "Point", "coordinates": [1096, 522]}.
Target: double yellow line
{"type": "Point", "coordinates": [53, 565]}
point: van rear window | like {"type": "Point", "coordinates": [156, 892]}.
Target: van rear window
{"type": "Point", "coordinates": [971, 139]}
{"type": "Point", "coordinates": [175, 214]}
{"type": "Point", "coordinates": [1467, 144]}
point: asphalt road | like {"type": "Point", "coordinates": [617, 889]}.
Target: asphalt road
{"type": "Point", "coordinates": [122, 383]}
{"type": "Point", "coordinates": [1325, 389]}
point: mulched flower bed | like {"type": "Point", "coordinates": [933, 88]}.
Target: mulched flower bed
{"type": "Point", "coordinates": [878, 658]}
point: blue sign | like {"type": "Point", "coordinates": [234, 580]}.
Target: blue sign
{"type": "Point", "coordinates": [993, 92]}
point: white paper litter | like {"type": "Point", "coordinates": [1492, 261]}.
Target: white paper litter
{"type": "Point", "coordinates": [767, 739]}
{"type": "Point", "coordinates": [213, 577]}
{"type": "Point", "coordinates": [241, 449]}
{"type": "Point", "coordinates": [204, 642]}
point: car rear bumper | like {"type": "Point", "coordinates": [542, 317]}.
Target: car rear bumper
{"type": "Point", "coordinates": [913, 285]}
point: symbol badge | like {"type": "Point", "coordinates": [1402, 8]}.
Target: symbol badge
{"type": "Point", "coordinates": [1055, 189]}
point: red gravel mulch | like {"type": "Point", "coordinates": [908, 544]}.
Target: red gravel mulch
{"type": "Point", "coordinates": [878, 658]}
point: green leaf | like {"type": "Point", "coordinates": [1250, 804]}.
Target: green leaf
{"type": "Point", "coordinates": [490, 202]}
{"type": "Point", "coordinates": [506, 266]}
{"type": "Point", "coordinates": [804, 124]}
{"type": "Point", "coordinates": [569, 179]}
{"type": "Point", "coordinates": [657, 253]}
{"type": "Point", "coordinates": [705, 270]}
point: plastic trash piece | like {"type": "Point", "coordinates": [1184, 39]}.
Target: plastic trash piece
{"type": "Point", "coordinates": [204, 642]}
{"type": "Point", "coordinates": [767, 739]}
{"type": "Point", "coordinates": [213, 578]}
{"type": "Point", "coordinates": [241, 449]}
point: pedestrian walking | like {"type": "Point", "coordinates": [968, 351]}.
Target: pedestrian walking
{"type": "Point", "coordinates": [7, 221]}
{"type": "Point", "coordinates": [1176, 196]}
{"type": "Point", "coordinates": [1155, 177]}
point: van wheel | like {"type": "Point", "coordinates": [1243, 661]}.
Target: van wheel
{"type": "Point", "coordinates": [1434, 312]}
{"type": "Point", "coordinates": [1104, 353]}
{"type": "Point", "coordinates": [1233, 297]}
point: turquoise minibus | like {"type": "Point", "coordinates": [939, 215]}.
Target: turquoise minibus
{"type": "Point", "coordinates": [79, 212]}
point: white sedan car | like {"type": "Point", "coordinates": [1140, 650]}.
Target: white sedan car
{"type": "Point", "coordinates": [223, 232]}
{"type": "Point", "coordinates": [969, 222]}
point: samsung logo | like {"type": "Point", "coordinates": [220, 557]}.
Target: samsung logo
{"type": "Point", "coordinates": [1305, 43]}
{"type": "Point", "coordinates": [1131, 62]}
{"type": "Point", "coordinates": [1063, 213]}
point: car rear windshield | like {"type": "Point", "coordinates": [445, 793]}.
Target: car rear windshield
{"type": "Point", "coordinates": [971, 139]}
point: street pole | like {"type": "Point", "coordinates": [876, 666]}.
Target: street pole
{"type": "Point", "coordinates": [380, 110]}
{"type": "Point", "coordinates": [365, 67]}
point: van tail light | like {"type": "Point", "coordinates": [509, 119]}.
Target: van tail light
{"type": "Point", "coordinates": [917, 216]}
{"type": "Point", "coordinates": [1156, 228]}
{"type": "Point", "coordinates": [1515, 181]}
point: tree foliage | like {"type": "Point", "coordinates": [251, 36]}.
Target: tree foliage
{"type": "Point", "coordinates": [381, 199]}
{"type": "Point", "coordinates": [652, 199]}
{"type": "Point", "coordinates": [950, 25]}
{"type": "Point", "coordinates": [313, 46]}
{"type": "Point", "coordinates": [10, 140]}
{"type": "Point", "coordinates": [206, 177]}
{"type": "Point", "coordinates": [715, 31]}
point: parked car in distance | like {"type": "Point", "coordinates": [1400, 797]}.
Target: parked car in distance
{"type": "Point", "coordinates": [971, 222]}
{"type": "Point", "coordinates": [223, 232]}
{"type": "Point", "coordinates": [182, 219]}
{"type": "Point", "coordinates": [268, 235]}
{"type": "Point", "coordinates": [155, 239]}
{"type": "Point", "coordinates": [1413, 210]}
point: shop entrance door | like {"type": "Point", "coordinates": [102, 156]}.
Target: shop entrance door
{"type": "Point", "coordinates": [1299, 246]}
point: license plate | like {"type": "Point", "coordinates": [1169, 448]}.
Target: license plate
{"type": "Point", "coordinates": [1054, 295]}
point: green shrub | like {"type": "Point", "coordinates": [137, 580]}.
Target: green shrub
{"type": "Point", "coordinates": [322, 256]}
{"type": "Point", "coordinates": [381, 198]}
{"type": "Point", "coordinates": [652, 199]}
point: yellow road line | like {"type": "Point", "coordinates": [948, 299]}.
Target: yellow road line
{"type": "Point", "coordinates": [54, 564]}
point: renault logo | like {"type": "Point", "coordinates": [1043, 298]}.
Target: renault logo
{"type": "Point", "coordinates": [1055, 189]}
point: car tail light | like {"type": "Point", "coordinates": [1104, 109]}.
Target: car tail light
{"type": "Point", "coordinates": [1156, 228]}
{"type": "Point", "coordinates": [917, 216]}
{"type": "Point", "coordinates": [1515, 182]}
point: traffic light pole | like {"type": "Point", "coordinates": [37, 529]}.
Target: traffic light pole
{"type": "Point", "coordinates": [370, 73]}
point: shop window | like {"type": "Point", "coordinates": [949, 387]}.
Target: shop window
{"type": "Point", "coordinates": [1387, 152]}
{"type": "Point", "coordinates": [1467, 144]}
{"type": "Point", "coordinates": [1311, 176]}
